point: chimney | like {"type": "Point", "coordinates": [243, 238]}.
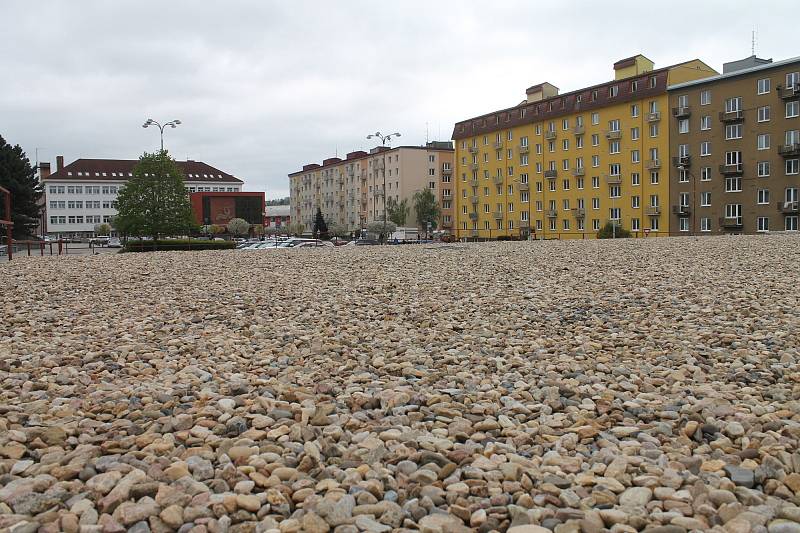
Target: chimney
{"type": "Point", "coordinates": [44, 170]}
{"type": "Point", "coordinates": [59, 163]}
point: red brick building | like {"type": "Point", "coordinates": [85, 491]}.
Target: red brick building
{"type": "Point", "coordinates": [220, 207]}
{"type": "Point", "coordinates": [276, 216]}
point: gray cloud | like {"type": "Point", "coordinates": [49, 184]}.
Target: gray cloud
{"type": "Point", "coordinates": [263, 87]}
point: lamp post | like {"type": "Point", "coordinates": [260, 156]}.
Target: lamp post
{"type": "Point", "coordinates": [384, 139]}
{"type": "Point", "coordinates": [171, 123]}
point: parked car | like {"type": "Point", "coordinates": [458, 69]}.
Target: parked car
{"type": "Point", "coordinates": [315, 244]}
{"type": "Point", "coordinates": [99, 241]}
{"type": "Point", "coordinates": [114, 242]}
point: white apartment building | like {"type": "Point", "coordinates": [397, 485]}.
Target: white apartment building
{"type": "Point", "coordinates": [350, 191]}
{"type": "Point", "coordinates": [83, 194]}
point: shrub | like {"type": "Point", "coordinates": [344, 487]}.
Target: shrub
{"type": "Point", "coordinates": [608, 232]}
{"type": "Point", "coordinates": [177, 245]}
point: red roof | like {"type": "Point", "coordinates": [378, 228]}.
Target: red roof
{"type": "Point", "coordinates": [117, 169]}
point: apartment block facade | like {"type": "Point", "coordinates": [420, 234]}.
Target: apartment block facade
{"type": "Point", "coordinates": [735, 147]}
{"type": "Point", "coordinates": [83, 194]}
{"type": "Point", "coordinates": [563, 165]}
{"type": "Point", "coordinates": [350, 191]}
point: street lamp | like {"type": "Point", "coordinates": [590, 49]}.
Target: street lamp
{"type": "Point", "coordinates": [384, 139]}
{"type": "Point", "coordinates": [151, 122]}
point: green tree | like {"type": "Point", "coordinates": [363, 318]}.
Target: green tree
{"type": "Point", "coordinates": [154, 201]}
{"type": "Point", "coordinates": [238, 226]}
{"type": "Point", "coordinates": [216, 229]}
{"type": "Point", "coordinates": [337, 230]}
{"type": "Point", "coordinates": [610, 232]}
{"type": "Point", "coordinates": [377, 228]}
{"type": "Point", "coordinates": [17, 175]}
{"type": "Point", "coordinates": [320, 230]}
{"type": "Point", "coordinates": [396, 211]}
{"type": "Point", "coordinates": [296, 228]}
{"type": "Point", "coordinates": [258, 229]}
{"type": "Point", "coordinates": [102, 229]}
{"type": "Point", "coordinates": [426, 208]}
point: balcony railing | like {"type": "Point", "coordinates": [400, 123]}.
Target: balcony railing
{"type": "Point", "coordinates": [732, 169]}
{"type": "Point", "coordinates": [579, 130]}
{"type": "Point", "coordinates": [731, 222]}
{"type": "Point", "coordinates": [550, 173]}
{"type": "Point", "coordinates": [473, 232]}
{"type": "Point", "coordinates": [524, 224]}
{"type": "Point", "coordinates": [654, 116]}
{"type": "Point", "coordinates": [653, 211]}
{"type": "Point", "coordinates": [613, 179]}
{"type": "Point", "coordinates": [580, 212]}
{"type": "Point", "coordinates": [474, 182]}
{"type": "Point", "coordinates": [551, 213]}
{"type": "Point", "coordinates": [447, 195]}
{"type": "Point", "coordinates": [789, 150]}
{"type": "Point", "coordinates": [550, 135]}
{"type": "Point", "coordinates": [447, 224]}
{"type": "Point", "coordinates": [473, 149]}
{"type": "Point", "coordinates": [613, 135]}
{"type": "Point", "coordinates": [681, 210]}
{"type": "Point", "coordinates": [791, 92]}
{"type": "Point", "coordinates": [578, 171]}
{"type": "Point", "coordinates": [498, 180]}
{"type": "Point", "coordinates": [681, 111]}
{"type": "Point", "coordinates": [731, 116]}
{"type": "Point", "coordinates": [789, 208]}
{"type": "Point", "coordinates": [473, 166]}
{"type": "Point", "coordinates": [474, 199]}
{"type": "Point", "coordinates": [524, 149]}
{"type": "Point", "coordinates": [473, 216]}
{"type": "Point", "coordinates": [653, 164]}
{"type": "Point", "coordinates": [682, 161]}
{"type": "Point", "coordinates": [524, 187]}
{"type": "Point", "coordinates": [497, 214]}
{"type": "Point", "coordinates": [497, 145]}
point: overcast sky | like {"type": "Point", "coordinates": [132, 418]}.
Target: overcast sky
{"type": "Point", "coordinates": [263, 87]}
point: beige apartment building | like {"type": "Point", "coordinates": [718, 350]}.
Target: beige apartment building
{"type": "Point", "coordinates": [350, 191]}
{"type": "Point", "coordinates": [735, 147]}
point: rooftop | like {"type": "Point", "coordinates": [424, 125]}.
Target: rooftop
{"type": "Point", "coordinates": [432, 146]}
{"type": "Point", "coordinates": [735, 73]}
{"type": "Point", "coordinates": [122, 169]}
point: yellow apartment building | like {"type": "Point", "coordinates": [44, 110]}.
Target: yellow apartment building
{"type": "Point", "coordinates": [563, 165]}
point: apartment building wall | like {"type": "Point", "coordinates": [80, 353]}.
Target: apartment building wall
{"type": "Point", "coordinates": [735, 147]}
{"type": "Point", "coordinates": [561, 166]}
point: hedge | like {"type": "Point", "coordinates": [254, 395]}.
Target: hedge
{"type": "Point", "coordinates": [177, 245]}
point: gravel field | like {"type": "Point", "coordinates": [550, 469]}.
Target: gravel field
{"type": "Point", "coordinates": [567, 386]}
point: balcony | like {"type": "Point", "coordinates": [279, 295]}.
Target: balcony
{"type": "Point", "coordinates": [789, 208]}
{"type": "Point", "coordinates": [731, 222]}
{"type": "Point", "coordinates": [498, 180]}
{"type": "Point", "coordinates": [790, 93]}
{"type": "Point", "coordinates": [524, 149]}
{"type": "Point", "coordinates": [473, 149]}
{"type": "Point", "coordinates": [446, 168]}
{"type": "Point", "coordinates": [473, 166]}
{"type": "Point", "coordinates": [447, 224]}
{"type": "Point", "coordinates": [681, 210]}
{"type": "Point", "coordinates": [578, 171]}
{"type": "Point", "coordinates": [580, 212]}
{"type": "Point", "coordinates": [473, 232]}
{"type": "Point", "coordinates": [789, 150]}
{"type": "Point", "coordinates": [579, 130]}
{"type": "Point", "coordinates": [551, 174]}
{"type": "Point", "coordinates": [551, 213]}
{"type": "Point", "coordinates": [550, 135]}
{"type": "Point", "coordinates": [498, 215]}
{"type": "Point", "coordinates": [682, 161]}
{"type": "Point", "coordinates": [473, 216]}
{"type": "Point", "coordinates": [731, 116]}
{"type": "Point", "coordinates": [613, 135]}
{"type": "Point", "coordinates": [447, 196]}
{"type": "Point", "coordinates": [474, 182]}
{"type": "Point", "coordinates": [652, 211]}
{"type": "Point", "coordinates": [731, 170]}
{"type": "Point", "coordinates": [654, 117]}
{"type": "Point", "coordinates": [497, 145]}
{"type": "Point", "coordinates": [653, 164]}
{"type": "Point", "coordinates": [524, 187]}
{"type": "Point", "coordinates": [681, 112]}
{"type": "Point", "coordinates": [473, 199]}
{"type": "Point", "coordinates": [613, 179]}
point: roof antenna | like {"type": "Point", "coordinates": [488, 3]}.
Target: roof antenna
{"type": "Point", "coordinates": [427, 140]}
{"type": "Point", "coordinates": [753, 42]}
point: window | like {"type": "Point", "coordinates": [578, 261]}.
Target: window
{"type": "Point", "coordinates": [683, 224]}
{"type": "Point", "coordinates": [613, 91]}
{"type": "Point", "coordinates": [762, 223]}
{"type": "Point", "coordinates": [705, 148]}
{"type": "Point", "coordinates": [595, 203]}
{"type": "Point", "coordinates": [763, 86]}
{"type": "Point", "coordinates": [635, 201]}
{"type": "Point", "coordinates": [683, 175]}
{"type": "Point", "coordinates": [614, 213]}
{"type": "Point", "coordinates": [551, 185]}
{"type": "Point", "coordinates": [595, 119]}
{"type": "Point", "coordinates": [613, 125]}
{"type": "Point", "coordinates": [705, 98]}
{"type": "Point", "coordinates": [792, 166]}
{"type": "Point", "coordinates": [654, 129]}
{"type": "Point", "coordinates": [431, 172]}
{"type": "Point", "coordinates": [733, 105]}
{"type": "Point", "coordinates": [523, 160]}
{"type": "Point", "coordinates": [538, 129]}
{"type": "Point", "coordinates": [653, 105]}
{"type": "Point", "coordinates": [614, 191]}
{"type": "Point", "coordinates": [595, 182]}
{"type": "Point", "coordinates": [635, 224]}
{"type": "Point", "coordinates": [538, 186]}
{"type": "Point", "coordinates": [654, 177]}
{"type": "Point", "coordinates": [705, 122]}
{"type": "Point", "coordinates": [654, 223]}
{"type": "Point", "coordinates": [579, 183]}
{"type": "Point", "coordinates": [565, 124]}
{"type": "Point", "coordinates": [635, 134]}
{"type": "Point", "coordinates": [792, 109]}
{"type": "Point", "coordinates": [733, 184]}
{"type": "Point", "coordinates": [509, 135]}
{"type": "Point", "coordinates": [792, 79]}
{"type": "Point", "coordinates": [596, 224]}
{"type": "Point", "coordinates": [705, 174]}
{"type": "Point", "coordinates": [613, 169]}
{"type": "Point", "coordinates": [763, 113]}
{"type": "Point", "coordinates": [579, 141]}
{"type": "Point", "coordinates": [565, 184]}
{"type": "Point", "coordinates": [510, 153]}
{"type": "Point", "coordinates": [683, 100]}
{"type": "Point", "coordinates": [635, 156]}
{"type": "Point", "coordinates": [613, 147]}
{"type": "Point", "coordinates": [705, 224]}
{"type": "Point", "coordinates": [565, 144]}
{"type": "Point", "coordinates": [763, 141]}
{"type": "Point", "coordinates": [733, 131]}
{"type": "Point", "coordinates": [565, 204]}
{"type": "Point", "coordinates": [595, 139]}
{"type": "Point", "coordinates": [705, 199]}
{"type": "Point", "coordinates": [635, 110]}
{"type": "Point", "coordinates": [683, 125]}
{"type": "Point", "coordinates": [763, 169]}
{"type": "Point", "coordinates": [762, 196]}
{"type": "Point", "coordinates": [790, 223]}
{"type": "Point", "coordinates": [595, 161]}
{"type": "Point", "coordinates": [635, 179]}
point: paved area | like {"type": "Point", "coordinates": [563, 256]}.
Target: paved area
{"type": "Point", "coordinates": [566, 386]}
